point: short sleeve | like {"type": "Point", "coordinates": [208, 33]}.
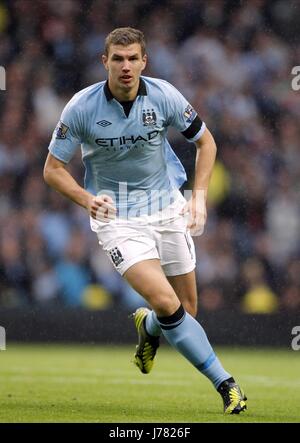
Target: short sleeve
{"type": "Point", "coordinates": [67, 135]}
{"type": "Point", "coordinates": [182, 116]}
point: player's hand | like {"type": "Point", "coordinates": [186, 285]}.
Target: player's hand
{"type": "Point", "coordinates": [102, 208]}
{"type": "Point", "coordinates": [196, 208]}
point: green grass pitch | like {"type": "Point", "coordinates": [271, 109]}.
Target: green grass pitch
{"type": "Point", "coordinates": [61, 383]}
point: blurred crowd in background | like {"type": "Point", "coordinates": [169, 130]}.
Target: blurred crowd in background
{"type": "Point", "coordinates": [232, 60]}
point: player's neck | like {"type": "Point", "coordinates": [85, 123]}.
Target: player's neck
{"type": "Point", "coordinates": [124, 95]}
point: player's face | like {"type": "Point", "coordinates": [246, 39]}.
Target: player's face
{"type": "Point", "coordinates": [124, 65]}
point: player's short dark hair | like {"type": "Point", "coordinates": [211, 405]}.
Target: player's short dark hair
{"type": "Point", "coordinates": [125, 36]}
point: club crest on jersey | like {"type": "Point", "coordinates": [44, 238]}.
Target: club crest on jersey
{"type": "Point", "coordinates": [149, 117]}
{"type": "Point", "coordinates": [61, 130]}
{"type": "Point", "coordinates": [189, 114]}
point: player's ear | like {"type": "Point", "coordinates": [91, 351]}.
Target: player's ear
{"type": "Point", "coordinates": [145, 59]}
{"type": "Point", "coordinates": [104, 61]}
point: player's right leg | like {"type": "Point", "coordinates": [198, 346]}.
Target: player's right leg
{"type": "Point", "coordinates": [148, 279]}
{"type": "Point", "coordinates": [148, 327]}
{"type": "Point", "coordinates": [147, 344]}
{"type": "Point", "coordinates": [129, 245]}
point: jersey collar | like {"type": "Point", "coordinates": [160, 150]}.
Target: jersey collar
{"type": "Point", "coordinates": [141, 91]}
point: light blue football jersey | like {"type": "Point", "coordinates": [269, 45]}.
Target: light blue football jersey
{"type": "Point", "coordinates": [128, 158]}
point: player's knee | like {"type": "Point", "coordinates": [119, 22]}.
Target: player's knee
{"type": "Point", "coordinates": [166, 304]}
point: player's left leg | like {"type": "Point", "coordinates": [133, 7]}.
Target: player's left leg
{"type": "Point", "coordinates": [185, 288]}
{"type": "Point", "coordinates": [177, 253]}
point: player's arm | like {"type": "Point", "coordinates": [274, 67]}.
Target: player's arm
{"type": "Point", "coordinates": [205, 159]}
{"type": "Point", "coordinates": [182, 116]}
{"type": "Point", "coordinates": [56, 176]}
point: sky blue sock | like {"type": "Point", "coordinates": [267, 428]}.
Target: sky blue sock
{"type": "Point", "coordinates": [152, 325]}
{"type": "Point", "coordinates": [186, 335]}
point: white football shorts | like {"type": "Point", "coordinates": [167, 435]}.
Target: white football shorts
{"type": "Point", "coordinates": [163, 235]}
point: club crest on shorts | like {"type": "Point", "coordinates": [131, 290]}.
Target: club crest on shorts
{"type": "Point", "coordinates": [149, 117]}
{"type": "Point", "coordinates": [116, 256]}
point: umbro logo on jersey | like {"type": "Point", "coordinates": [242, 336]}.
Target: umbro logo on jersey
{"type": "Point", "coordinates": [104, 123]}
{"type": "Point", "coordinates": [149, 117]}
